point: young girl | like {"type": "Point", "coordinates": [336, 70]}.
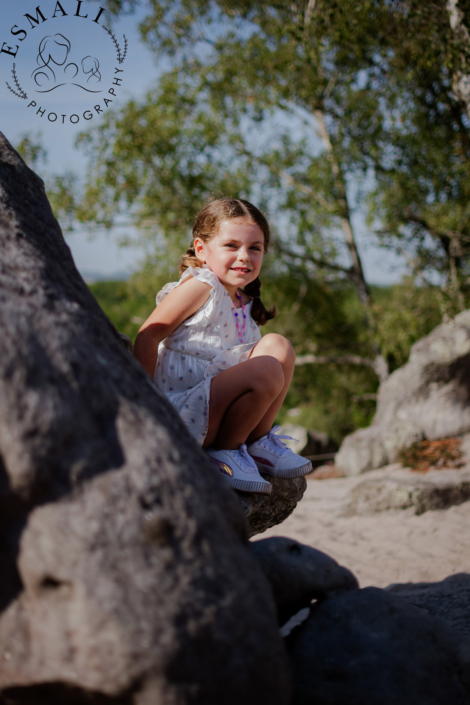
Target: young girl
{"type": "Point", "coordinates": [203, 347]}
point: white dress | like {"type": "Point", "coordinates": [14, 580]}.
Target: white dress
{"type": "Point", "coordinates": [205, 344]}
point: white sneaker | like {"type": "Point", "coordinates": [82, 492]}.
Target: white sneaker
{"type": "Point", "coordinates": [240, 470]}
{"type": "Point", "coordinates": [274, 458]}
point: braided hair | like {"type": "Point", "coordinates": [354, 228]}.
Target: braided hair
{"type": "Point", "coordinates": [206, 226]}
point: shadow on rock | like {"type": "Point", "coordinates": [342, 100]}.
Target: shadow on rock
{"type": "Point", "coordinates": [369, 647]}
{"type": "Point", "coordinates": [299, 574]}
{"type": "Point", "coordinates": [448, 599]}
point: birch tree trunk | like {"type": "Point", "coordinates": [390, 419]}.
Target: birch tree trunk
{"type": "Point", "coordinates": [461, 84]}
{"type": "Point", "coordinates": [346, 225]}
{"type": "Point", "coordinates": [357, 272]}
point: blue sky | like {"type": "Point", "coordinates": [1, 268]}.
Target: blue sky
{"type": "Point", "coordinates": [89, 45]}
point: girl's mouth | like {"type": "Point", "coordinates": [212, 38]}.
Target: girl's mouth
{"type": "Point", "coordinates": [243, 270]}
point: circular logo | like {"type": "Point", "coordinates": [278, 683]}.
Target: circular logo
{"type": "Point", "coordinates": [66, 64]}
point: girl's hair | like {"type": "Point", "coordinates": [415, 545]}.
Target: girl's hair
{"type": "Point", "coordinates": [206, 226]}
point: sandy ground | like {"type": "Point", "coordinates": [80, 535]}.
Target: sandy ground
{"type": "Point", "coordinates": [380, 549]}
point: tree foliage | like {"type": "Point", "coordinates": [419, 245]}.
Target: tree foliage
{"type": "Point", "coordinates": [319, 318]}
{"type": "Point", "coordinates": [306, 107]}
{"type": "Point", "coordinates": [315, 110]}
{"type": "Point", "coordinates": [422, 174]}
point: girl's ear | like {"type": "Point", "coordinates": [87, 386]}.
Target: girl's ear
{"type": "Point", "coordinates": [199, 250]}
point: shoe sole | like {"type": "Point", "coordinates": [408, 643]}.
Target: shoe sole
{"type": "Point", "coordinates": [286, 474]}
{"type": "Point", "coordinates": [250, 486]}
{"type": "Point", "coordinates": [260, 487]}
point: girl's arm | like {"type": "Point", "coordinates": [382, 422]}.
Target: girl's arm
{"type": "Point", "coordinates": [181, 303]}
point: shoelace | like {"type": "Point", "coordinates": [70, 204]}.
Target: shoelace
{"type": "Point", "coordinates": [242, 453]}
{"type": "Point", "coordinates": [277, 440]}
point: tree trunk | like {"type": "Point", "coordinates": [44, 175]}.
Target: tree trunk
{"type": "Point", "coordinates": [461, 83]}
{"type": "Point", "coordinates": [357, 271]}
{"type": "Point", "coordinates": [125, 573]}
{"type": "Point", "coordinates": [346, 225]}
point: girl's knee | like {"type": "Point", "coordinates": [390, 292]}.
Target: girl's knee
{"type": "Point", "coordinates": [280, 347]}
{"type": "Point", "coordinates": [269, 376]}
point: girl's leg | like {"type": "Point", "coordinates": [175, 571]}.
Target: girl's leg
{"type": "Point", "coordinates": [280, 348]}
{"type": "Point", "coordinates": [246, 398]}
{"type": "Point", "coordinates": [240, 397]}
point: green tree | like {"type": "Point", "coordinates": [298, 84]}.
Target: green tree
{"type": "Point", "coordinates": [422, 172]}
{"type": "Point", "coordinates": [252, 88]}
{"type": "Point", "coordinates": [308, 108]}
{"type": "Point", "coordinates": [300, 106]}
{"type": "Point", "coordinates": [257, 104]}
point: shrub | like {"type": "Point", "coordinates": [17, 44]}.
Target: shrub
{"type": "Point", "coordinates": [424, 455]}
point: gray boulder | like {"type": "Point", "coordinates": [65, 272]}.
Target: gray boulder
{"type": "Point", "coordinates": [393, 488]}
{"type": "Point", "coordinates": [448, 599]}
{"type": "Point", "coordinates": [264, 511]}
{"type": "Point", "coordinates": [299, 574]}
{"type": "Point", "coordinates": [126, 575]}
{"type": "Point", "coordinates": [429, 397]}
{"type": "Point", "coordinates": [369, 647]}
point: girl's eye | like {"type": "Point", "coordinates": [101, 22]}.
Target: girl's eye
{"type": "Point", "coordinates": [255, 247]}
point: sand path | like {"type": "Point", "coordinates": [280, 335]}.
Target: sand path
{"type": "Point", "coordinates": [389, 547]}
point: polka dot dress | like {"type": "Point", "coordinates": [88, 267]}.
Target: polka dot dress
{"type": "Point", "coordinates": [200, 348]}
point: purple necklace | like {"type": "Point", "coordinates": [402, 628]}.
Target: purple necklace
{"type": "Point", "coordinates": [240, 333]}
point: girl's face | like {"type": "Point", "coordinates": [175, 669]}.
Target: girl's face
{"type": "Point", "coordinates": [234, 254]}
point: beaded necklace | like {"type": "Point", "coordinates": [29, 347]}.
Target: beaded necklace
{"type": "Point", "coordinates": [240, 333]}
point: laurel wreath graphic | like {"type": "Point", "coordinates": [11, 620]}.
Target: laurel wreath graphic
{"type": "Point", "coordinates": [21, 93]}
{"type": "Point", "coordinates": [121, 57]}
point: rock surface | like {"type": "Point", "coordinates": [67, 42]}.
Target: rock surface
{"type": "Point", "coordinates": [299, 574]}
{"type": "Point", "coordinates": [370, 647]}
{"type": "Point", "coordinates": [380, 548]}
{"type": "Point", "coordinates": [448, 599]}
{"type": "Point", "coordinates": [265, 511]}
{"type": "Point", "coordinates": [429, 397]}
{"type": "Point", "coordinates": [398, 488]}
{"type": "Point", "coordinates": [125, 573]}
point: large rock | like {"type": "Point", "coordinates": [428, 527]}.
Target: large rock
{"type": "Point", "coordinates": [126, 575]}
{"type": "Point", "coordinates": [369, 647]}
{"type": "Point", "coordinates": [448, 599]}
{"type": "Point", "coordinates": [264, 511]}
{"type": "Point", "coordinates": [429, 397]}
{"type": "Point", "coordinates": [299, 574]}
{"type": "Point", "coordinates": [398, 488]}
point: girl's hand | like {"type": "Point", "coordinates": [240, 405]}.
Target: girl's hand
{"type": "Point", "coordinates": [181, 303]}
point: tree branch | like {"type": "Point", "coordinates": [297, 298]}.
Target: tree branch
{"type": "Point", "coordinates": [378, 365]}
{"type": "Point", "coordinates": [318, 261]}
{"type": "Point", "coordinates": [308, 190]}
